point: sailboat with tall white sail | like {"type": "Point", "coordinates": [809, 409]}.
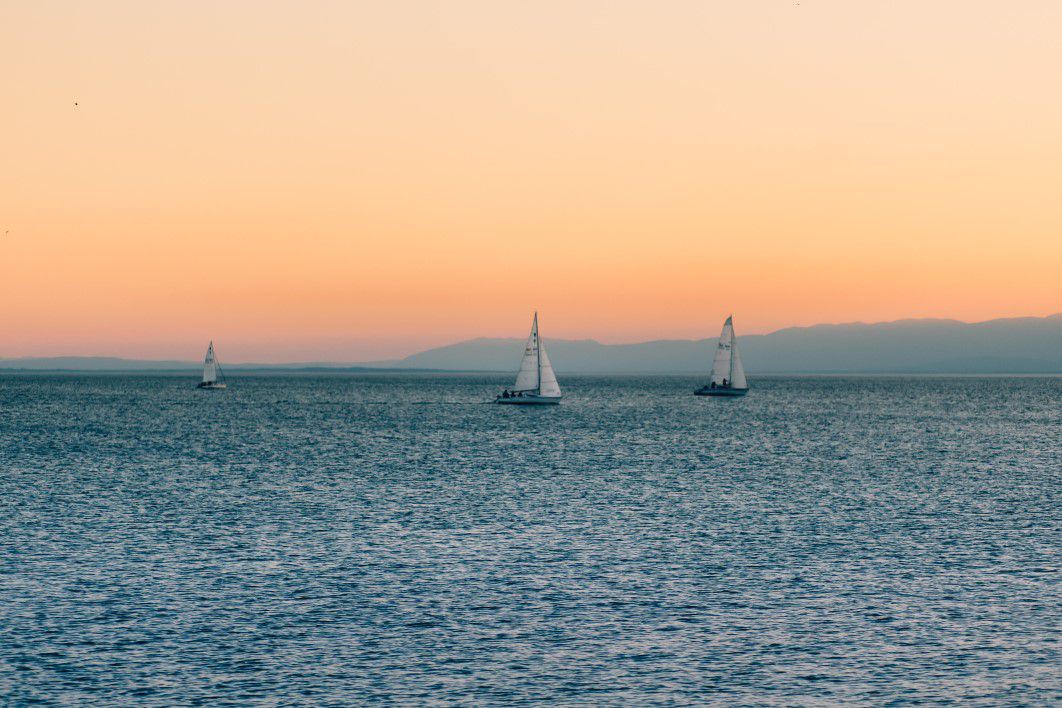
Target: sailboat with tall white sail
{"type": "Point", "coordinates": [728, 375]}
{"type": "Point", "coordinates": [536, 384]}
{"type": "Point", "coordinates": [213, 377]}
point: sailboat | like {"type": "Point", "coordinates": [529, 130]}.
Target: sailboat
{"type": "Point", "coordinates": [211, 371]}
{"type": "Point", "coordinates": [536, 384]}
{"type": "Point", "coordinates": [728, 376]}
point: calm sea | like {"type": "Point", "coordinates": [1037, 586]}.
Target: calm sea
{"type": "Point", "coordinates": [347, 539]}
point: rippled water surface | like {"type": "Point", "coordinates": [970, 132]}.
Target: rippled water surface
{"type": "Point", "coordinates": [342, 539]}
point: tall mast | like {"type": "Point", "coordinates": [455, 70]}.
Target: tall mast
{"type": "Point", "coordinates": [538, 353]}
{"type": "Point", "coordinates": [730, 372]}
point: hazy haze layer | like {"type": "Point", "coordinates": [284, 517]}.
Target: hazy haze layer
{"type": "Point", "coordinates": [1017, 346]}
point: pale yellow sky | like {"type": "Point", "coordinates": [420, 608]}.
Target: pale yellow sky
{"type": "Point", "coordinates": [302, 180]}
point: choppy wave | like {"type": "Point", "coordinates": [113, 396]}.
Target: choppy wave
{"type": "Point", "coordinates": [333, 540]}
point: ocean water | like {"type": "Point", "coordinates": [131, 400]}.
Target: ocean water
{"type": "Point", "coordinates": [336, 540]}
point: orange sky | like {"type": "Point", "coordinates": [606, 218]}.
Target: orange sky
{"type": "Point", "coordinates": [353, 180]}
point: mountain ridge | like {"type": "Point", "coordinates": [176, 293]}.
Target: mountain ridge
{"type": "Point", "coordinates": [1020, 345]}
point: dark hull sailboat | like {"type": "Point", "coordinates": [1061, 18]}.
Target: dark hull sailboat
{"type": "Point", "coordinates": [213, 378]}
{"type": "Point", "coordinates": [728, 375]}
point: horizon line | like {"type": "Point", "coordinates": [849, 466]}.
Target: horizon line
{"type": "Point", "coordinates": [377, 364]}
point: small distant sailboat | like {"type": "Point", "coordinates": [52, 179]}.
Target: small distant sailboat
{"type": "Point", "coordinates": [536, 384]}
{"type": "Point", "coordinates": [211, 371]}
{"type": "Point", "coordinates": [728, 375]}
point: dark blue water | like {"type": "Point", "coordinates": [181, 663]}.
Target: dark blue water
{"type": "Point", "coordinates": [336, 540]}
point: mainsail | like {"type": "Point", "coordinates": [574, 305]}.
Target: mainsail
{"type": "Point", "coordinates": [527, 379]}
{"type": "Point", "coordinates": [727, 364]}
{"type": "Point", "coordinates": [536, 373]}
{"type": "Point", "coordinates": [210, 367]}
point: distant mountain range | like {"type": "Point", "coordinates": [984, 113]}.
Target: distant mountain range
{"type": "Point", "coordinates": [1018, 345]}
{"type": "Point", "coordinates": [1023, 345]}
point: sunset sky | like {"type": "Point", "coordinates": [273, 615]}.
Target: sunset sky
{"type": "Point", "coordinates": [356, 180]}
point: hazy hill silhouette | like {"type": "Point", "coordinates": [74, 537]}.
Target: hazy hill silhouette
{"type": "Point", "coordinates": [1016, 345]}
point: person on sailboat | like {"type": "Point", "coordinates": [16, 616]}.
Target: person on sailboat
{"type": "Point", "coordinates": [724, 383]}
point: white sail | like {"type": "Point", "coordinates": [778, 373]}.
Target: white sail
{"type": "Point", "coordinates": [723, 354]}
{"type": "Point", "coordinates": [737, 371]}
{"type": "Point", "coordinates": [210, 373]}
{"type": "Point", "coordinates": [528, 378]}
{"type": "Point", "coordinates": [547, 380]}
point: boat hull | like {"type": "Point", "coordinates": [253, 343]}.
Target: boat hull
{"type": "Point", "coordinates": [720, 391]}
{"type": "Point", "coordinates": [212, 386]}
{"type": "Point", "coordinates": [528, 400]}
